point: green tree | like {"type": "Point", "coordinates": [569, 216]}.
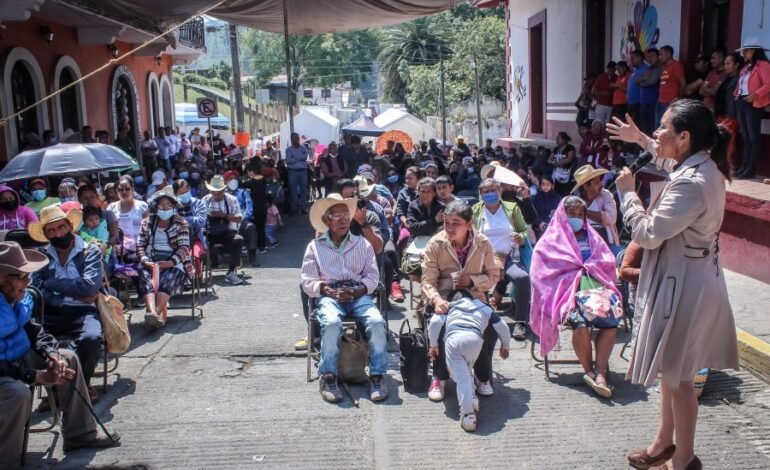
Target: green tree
{"type": "Point", "coordinates": [419, 42]}
{"type": "Point", "coordinates": [224, 72]}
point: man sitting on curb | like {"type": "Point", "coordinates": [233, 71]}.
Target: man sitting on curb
{"type": "Point", "coordinates": [340, 269]}
{"type": "Point", "coordinates": [30, 356]}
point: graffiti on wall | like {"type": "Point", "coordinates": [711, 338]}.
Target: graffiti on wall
{"type": "Point", "coordinates": [641, 30]}
{"type": "Point", "coordinates": [519, 88]}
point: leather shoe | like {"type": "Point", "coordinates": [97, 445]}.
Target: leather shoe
{"type": "Point", "coordinates": [642, 460]}
{"type": "Point", "coordinates": [98, 442]}
{"type": "Point", "coordinates": [695, 464]}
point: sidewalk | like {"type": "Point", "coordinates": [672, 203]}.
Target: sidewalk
{"type": "Point", "coordinates": [226, 392]}
{"type": "Point", "coordinates": [750, 300]}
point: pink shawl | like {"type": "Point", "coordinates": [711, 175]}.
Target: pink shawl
{"type": "Point", "coordinates": [556, 268]}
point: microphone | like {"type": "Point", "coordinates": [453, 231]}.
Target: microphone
{"type": "Point", "coordinates": [641, 162]}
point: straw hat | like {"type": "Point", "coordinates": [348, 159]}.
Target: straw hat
{"type": "Point", "coordinates": [751, 42]}
{"type": "Point", "coordinates": [487, 169]}
{"type": "Point", "coordinates": [364, 188]}
{"type": "Point", "coordinates": [217, 184]}
{"type": "Point", "coordinates": [586, 173]}
{"type": "Point", "coordinates": [51, 214]}
{"type": "Point", "coordinates": [320, 207]}
{"type": "Point", "coordinates": [15, 260]}
{"type": "Point", "coordinates": [165, 192]}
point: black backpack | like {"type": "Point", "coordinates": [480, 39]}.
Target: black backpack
{"type": "Point", "coordinates": [414, 358]}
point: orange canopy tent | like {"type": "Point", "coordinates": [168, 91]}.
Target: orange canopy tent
{"type": "Point", "coordinates": [395, 136]}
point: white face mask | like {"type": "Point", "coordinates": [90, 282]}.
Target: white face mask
{"type": "Point", "coordinates": [232, 184]}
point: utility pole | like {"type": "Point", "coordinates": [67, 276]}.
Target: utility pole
{"type": "Point", "coordinates": [441, 98]}
{"type": "Point", "coordinates": [237, 92]}
{"type": "Point", "coordinates": [478, 101]}
{"type": "Point", "coordinates": [289, 85]}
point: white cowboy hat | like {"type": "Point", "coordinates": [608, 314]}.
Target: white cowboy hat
{"type": "Point", "coordinates": [319, 208]}
{"type": "Point", "coordinates": [751, 42]}
{"type": "Point", "coordinates": [586, 173]}
{"type": "Point", "coordinates": [15, 260]}
{"type": "Point", "coordinates": [364, 188]}
{"type": "Point", "coordinates": [51, 214]}
{"type": "Point", "coordinates": [487, 169]}
{"type": "Point", "coordinates": [502, 174]}
{"type": "Point", "coordinates": [217, 184]}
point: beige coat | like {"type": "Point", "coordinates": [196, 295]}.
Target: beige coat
{"type": "Point", "coordinates": [686, 320]}
{"type": "Point", "coordinates": [440, 261]}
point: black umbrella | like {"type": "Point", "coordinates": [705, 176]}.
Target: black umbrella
{"type": "Point", "coordinates": [67, 159]}
{"type": "Point", "coordinates": [363, 126]}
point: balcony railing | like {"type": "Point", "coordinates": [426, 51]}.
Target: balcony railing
{"type": "Point", "coordinates": [193, 33]}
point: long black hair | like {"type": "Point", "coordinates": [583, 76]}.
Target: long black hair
{"type": "Point", "coordinates": [705, 134]}
{"type": "Point", "coordinates": [759, 54]}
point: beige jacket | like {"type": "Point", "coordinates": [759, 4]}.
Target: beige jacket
{"type": "Point", "coordinates": [440, 261]}
{"type": "Point", "coordinates": [686, 320]}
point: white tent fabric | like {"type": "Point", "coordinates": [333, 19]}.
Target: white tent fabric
{"type": "Point", "coordinates": [313, 123]}
{"type": "Point", "coordinates": [306, 17]}
{"type": "Point", "coordinates": [399, 120]}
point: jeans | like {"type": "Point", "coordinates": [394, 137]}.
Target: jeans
{"type": "Point", "coordinates": [750, 123]}
{"type": "Point", "coordinates": [297, 189]}
{"type": "Point", "coordinates": [270, 231]}
{"type": "Point", "coordinates": [330, 314]}
{"type": "Point", "coordinates": [518, 275]}
{"type": "Point", "coordinates": [660, 109]}
{"type": "Point", "coordinates": [647, 117]}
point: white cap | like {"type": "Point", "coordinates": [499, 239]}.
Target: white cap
{"type": "Point", "coordinates": [158, 177]}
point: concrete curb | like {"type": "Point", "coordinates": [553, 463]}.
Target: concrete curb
{"type": "Point", "coordinates": [754, 354]}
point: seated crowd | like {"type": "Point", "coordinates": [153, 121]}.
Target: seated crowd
{"type": "Point", "coordinates": [466, 224]}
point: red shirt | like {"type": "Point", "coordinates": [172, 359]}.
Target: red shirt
{"type": "Point", "coordinates": [618, 94]}
{"type": "Point", "coordinates": [713, 79]}
{"type": "Point", "coordinates": [670, 88]}
{"type": "Point", "coordinates": [602, 85]}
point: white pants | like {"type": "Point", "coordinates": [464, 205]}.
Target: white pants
{"type": "Point", "coordinates": [462, 349]}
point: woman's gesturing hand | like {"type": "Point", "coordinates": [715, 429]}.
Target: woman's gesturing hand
{"type": "Point", "coordinates": [626, 131]}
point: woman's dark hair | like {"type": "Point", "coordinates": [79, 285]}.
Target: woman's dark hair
{"type": "Point", "coordinates": [759, 54]}
{"type": "Point", "coordinates": [546, 177]}
{"type": "Point", "coordinates": [564, 136]}
{"type": "Point", "coordinates": [430, 182]}
{"type": "Point", "coordinates": [460, 209]}
{"type": "Point", "coordinates": [705, 134]}
{"type": "Point", "coordinates": [84, 189]}
{"type": "Point", "coordinates": [737, 58]}
{"type": "Point", "coordinates": [88, 211]}
{"type": "Point", "coordinates": [414, 169]}
{"type": "Point", "coordinates": [127, 179]}
{"type": "Point", "coordinates": [179, 184]}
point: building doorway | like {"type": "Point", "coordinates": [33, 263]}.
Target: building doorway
{"type": "Point", "coordinates": [537, 73]}
{"type": "Point", "coordinates": [23, 93]}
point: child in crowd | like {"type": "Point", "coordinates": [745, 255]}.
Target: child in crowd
{"type": "Point", "coordinates": [94, 230]}
{"type": "Point", "coordinates": [272, 222]}
{"type": "Point", "coordinates": [464, 327]}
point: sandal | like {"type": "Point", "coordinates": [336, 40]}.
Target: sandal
{"type": "Point", "coordinates": [599, 387]}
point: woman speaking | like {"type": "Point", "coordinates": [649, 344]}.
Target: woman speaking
{"type": "Point", "coordinates": [686, 320]}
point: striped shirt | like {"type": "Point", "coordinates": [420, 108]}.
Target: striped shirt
{"type": "Point", "coordinates": [324, 262]}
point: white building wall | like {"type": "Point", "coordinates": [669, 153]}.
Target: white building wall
{"type": "Point", "coordinates": [756, 21]}
{"type": "Point", "coordinates": [563, 43]}
{"type": "Point", "coordinates": [655, 26]}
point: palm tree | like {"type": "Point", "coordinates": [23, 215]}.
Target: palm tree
{"type": "Point", "coordinates": [419, 42]}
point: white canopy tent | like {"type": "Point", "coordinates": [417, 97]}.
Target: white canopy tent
{"type": "Point", "coordinates": [399, 120]}
{"type": "Point", "coordinates": [313, 123]}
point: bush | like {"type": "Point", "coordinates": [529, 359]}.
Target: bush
{"type": "Point", "coordinates": [196, 79]}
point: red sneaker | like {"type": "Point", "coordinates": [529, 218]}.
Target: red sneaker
{"type": "Point", "coordinates": [395, 292]}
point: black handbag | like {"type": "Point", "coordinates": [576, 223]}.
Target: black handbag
{"type": "Point", "coordinates": [413, 345]}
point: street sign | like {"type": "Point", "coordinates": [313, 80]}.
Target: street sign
{"type": "Point", "coordinates": [206, 107]}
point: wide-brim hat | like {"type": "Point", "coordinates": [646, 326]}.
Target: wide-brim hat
{"type": "Point", "coordinates": [52, 214]}
{"type": "Point", "coordinates": [15, 260]}
{"type": "Point", "coordinates": [586, 173]}
{"type": "Point", "coordinates": [752, 42]}
{"type": "Point", "coordinates": [364, 188]}
{"type": "Point", "coordinates": [487, 169]}
{"type": "Point", "coordinates": [217, 184]}
{"type": "Point", "coordinates": [319, 208]}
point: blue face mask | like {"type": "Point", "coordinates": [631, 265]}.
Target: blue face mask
{"type": "Point", "coordinates": [185, 198]}
{"type": "Point", "coordinates": [67, 198]}
{"type": "Point", "coordinates": [490, 198]}
{"type": "Point", "coordinates": [39, 194]}
{"type": "Point", "coordinates": [184, 175]}
{"type": "Point", "coordinates": [393, 179]}
{"type": "Point", "coordinates": [139, 180]}
{"type": "Point", "coordinates": [165, 214]}
{"type": "Point", "coordinates": [576, 223]}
